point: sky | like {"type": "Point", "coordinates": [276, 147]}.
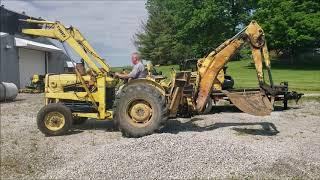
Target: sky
{"type": "Point", "coordinates": [109, 25]}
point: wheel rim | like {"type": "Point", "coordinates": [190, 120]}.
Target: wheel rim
{"type": "Point", "coordinates": [54, 121]}
{"type": "Point", "coordinates": [140, 112]}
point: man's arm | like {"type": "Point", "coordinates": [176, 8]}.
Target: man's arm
{"type": "Point", "coordinates": [122, 76]}
{"type": "Point", "coordinates": [133, 74]}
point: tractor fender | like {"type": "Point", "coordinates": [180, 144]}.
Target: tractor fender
{"type": "Point", "coordinates": [147, 81]}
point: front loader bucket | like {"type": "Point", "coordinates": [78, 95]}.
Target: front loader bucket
{"type": "Point", "coordinates": [251, 103]}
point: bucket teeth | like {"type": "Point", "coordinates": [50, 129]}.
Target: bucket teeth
{"type": "Point", "coordinates": [252, 103]}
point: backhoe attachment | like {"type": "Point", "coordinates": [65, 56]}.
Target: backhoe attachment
{"type": "Point", "coordinates": [260, 103]}
{"type": "Point", "coordinates": [255, 104]}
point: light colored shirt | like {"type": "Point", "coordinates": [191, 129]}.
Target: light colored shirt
{"type": "Point", "coordinates": [138, 71]}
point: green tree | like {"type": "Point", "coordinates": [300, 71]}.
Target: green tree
{"type": "Point", "coordinates": [182, 29]}
{"type": "Point", "coordinates": [155, 41]}
{"type": "Point", "coordinates": [291, 26]}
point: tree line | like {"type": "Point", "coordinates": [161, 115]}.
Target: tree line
{"type": "Point", "coordinates": [181, 29]}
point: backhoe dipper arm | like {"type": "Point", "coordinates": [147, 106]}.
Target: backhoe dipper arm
{"type": "Point", "coordinates": [215, 61]}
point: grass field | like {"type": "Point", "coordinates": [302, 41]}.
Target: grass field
{"type": "Point", "coordinates": [301, 78]}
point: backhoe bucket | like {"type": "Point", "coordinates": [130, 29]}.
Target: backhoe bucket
{"type": "Point", "coordinates": [252, 103]}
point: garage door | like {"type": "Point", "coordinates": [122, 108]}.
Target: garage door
{"type": "Point", "coordinates": [30, 62]}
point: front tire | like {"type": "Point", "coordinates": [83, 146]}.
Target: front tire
{"type": "Point", "coordinates": [140, 110]}
{"type": "Point", "coordinates": [54, 119]}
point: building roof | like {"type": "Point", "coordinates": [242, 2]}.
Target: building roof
{"type": "Point", "coordinates": [10, 23]}
{"type": "Point", "coordinates": [3, 34]}
{"type": "Point", "coordinates": [19, 42]}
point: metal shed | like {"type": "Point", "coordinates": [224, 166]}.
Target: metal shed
{"type": "Point", "coordinates": [23, 56]}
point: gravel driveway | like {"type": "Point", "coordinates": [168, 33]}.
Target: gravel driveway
{"type": "Point", "coordinates": [226, 144]}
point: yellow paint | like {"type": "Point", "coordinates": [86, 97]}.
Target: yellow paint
{"type": "Point", "coordinates": [35, 78]}
{"type": "Point", "coordinates": [54, 121]}
{"type": "Point", "coordinates": [109, 115]}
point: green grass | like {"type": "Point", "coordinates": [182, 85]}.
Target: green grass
{"type": "Point", "coordinates": [310, 98]}
{"type": "Point", "coordinates": [302, 78]}
{"type": "Point", "coordinates": [119, 69]}
{"type": "Point", "coordinates": [166, 70]}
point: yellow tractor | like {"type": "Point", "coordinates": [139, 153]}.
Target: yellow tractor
{"type": "Point", "coordinates": [36, 85]}
{"type": "Point", "coordinates": [142, 106]}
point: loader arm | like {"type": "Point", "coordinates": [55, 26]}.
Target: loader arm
{"type": "Point", "coordinates": [81, 46]}
{"type": "Point", "coordinates": [215, 61]}
{"type": "Point", "coordinates": [88, 48]}
{"type": "Point", "coordinates": [73, 37]}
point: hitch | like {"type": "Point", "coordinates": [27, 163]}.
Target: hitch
{"type": "Point", "coordinates": [281, 93]}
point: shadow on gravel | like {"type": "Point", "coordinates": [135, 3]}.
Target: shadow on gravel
{"type": "Point", "coordinates": [225, 108]}
{"type": "Point", "coordinates": [280, 108]}
{"type": "Point", "coordinates": [92, 124]}
{"type": "Point", "coordinates": [95, 124]}
{"type": "Point", "coordinates": [73, 132]}
{"type": "Point", "coordinates": [175, 126]}
{"type": "Point", "coordinates": [265, 131]}
{"type": "Point", "coordinates": [234, 109]}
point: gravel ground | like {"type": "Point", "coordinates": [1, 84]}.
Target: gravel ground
{"type": "Point", "coordinates": [226, 144]}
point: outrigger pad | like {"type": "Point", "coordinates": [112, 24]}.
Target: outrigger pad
{"type": "Point", "coordinates": [252, 103]}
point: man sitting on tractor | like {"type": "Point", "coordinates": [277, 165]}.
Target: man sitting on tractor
{"type": "Point", "coordinates": [138, 69]}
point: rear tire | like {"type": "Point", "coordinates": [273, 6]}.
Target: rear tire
{"type": "Point", "coordinates": [228, 82]}
{"type": "Point", "coordinates": [139, 110]}
{"type": "Point", "coordinates": [208, 107]}
{"type": "Point", "coordinates": [54, 119]}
